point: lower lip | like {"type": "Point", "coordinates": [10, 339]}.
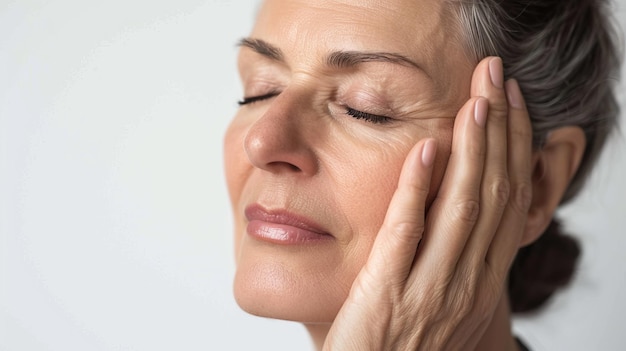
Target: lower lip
{"type": "Point", "coordinates": [284, 234]}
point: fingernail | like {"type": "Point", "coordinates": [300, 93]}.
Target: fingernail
{"type": "Point", "coordinates": [428, 152]}
{"type": "Point", "coordinates": [496, 73]}
{"type": "Point", "coordinates": [514, 94]}
{"type": "Point", "coordinates": [480, 111]}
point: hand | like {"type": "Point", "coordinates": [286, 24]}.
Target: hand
{"type": "Point", "coordinates": [433, 280]}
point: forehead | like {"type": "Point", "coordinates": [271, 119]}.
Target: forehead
{"type": "Point", "coordinates": [423, 30]}
{"type": "Point", "coordinates": [403, 19]}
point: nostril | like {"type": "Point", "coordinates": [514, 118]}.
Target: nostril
{"type": "Point", "coordinates": [284, 165]}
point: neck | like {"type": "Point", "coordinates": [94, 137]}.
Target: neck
{"type": "Point", "coordinates": [497, 336]}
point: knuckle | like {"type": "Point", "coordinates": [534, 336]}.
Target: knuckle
{"type": "Point", "coordinates": [522, 197]}
{"type": "Point", "coordinates": [476, 150]}
{"type": "Point", "coordinates": [466, 305]}
{"type": "Point", "coordinates": [500, 191]}
{"type": "Point", "coordinates": [498, 108]}
{"type": "Point", "coordinates": [467, 210]}
{"type": "Point", "coordinates": [463, 302]}
{"type": "Point", "coordinates": [437, 300]}
{"type": "Point", "coordinates": [521, 132]}
{"type": "Point", "coordinates": [407, 230]}
{"type": "Point", "coordinates": [419, 189]}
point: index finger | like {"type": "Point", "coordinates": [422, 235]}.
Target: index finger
{"type": "Point", "coordinates": [395, 245]}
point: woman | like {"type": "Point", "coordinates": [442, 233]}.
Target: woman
{"type": "Point", "coordinates": [383, 174]}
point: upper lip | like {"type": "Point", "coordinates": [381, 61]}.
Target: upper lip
{"type": "Point", "coordinates": [282, 216]}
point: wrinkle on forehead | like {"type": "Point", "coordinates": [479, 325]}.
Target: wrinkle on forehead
{"type": "Point", "coordinates": [424, 30]}
{"type": "Point", "coordinates": [417, 27]}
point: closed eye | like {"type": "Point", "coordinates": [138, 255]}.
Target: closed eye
{"type": "Point", "coordinates": [252, 99]}
{"type": "Point", "coordinates": [376, 119]}
{"type": "Point", "coordinates": [369, 117]}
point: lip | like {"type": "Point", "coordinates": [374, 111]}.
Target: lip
{"type": "Point", "coordinates": [283, 227]}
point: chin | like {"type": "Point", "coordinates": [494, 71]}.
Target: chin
{"type": "Point", "coordinates": [295, 285]}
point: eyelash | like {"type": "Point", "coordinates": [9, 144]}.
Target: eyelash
{"type": "Point", "coordinates": [376, 119]}
{"type": "Point", "coordinates": [252, 99]}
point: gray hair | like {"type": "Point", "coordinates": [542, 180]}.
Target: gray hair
{"type": "Point", "coordinates": [565, 56]}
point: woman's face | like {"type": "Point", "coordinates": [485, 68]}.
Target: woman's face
{"type": "Point", "coordinates": [337, 93]}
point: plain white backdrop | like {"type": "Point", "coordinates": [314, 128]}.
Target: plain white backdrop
{"type": "Point", "coordinates": [115, 231]}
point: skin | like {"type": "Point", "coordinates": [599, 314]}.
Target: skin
{"type": "Point", "coordinates": [327, 189]}
{"type": "Point", "coordinates": [382, 189]}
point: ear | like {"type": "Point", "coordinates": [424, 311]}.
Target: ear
{"type": "Point", "coordinates": [554, 165]}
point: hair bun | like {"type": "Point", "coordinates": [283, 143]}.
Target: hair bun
{"type": "Point", "coordinates": [542, 268]}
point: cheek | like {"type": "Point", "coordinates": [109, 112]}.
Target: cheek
{"type": "Point", "coordinates": [365, 184]}
{"type": "Point", "coordinates": [365, 193]}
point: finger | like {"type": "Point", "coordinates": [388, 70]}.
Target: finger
{"type": "Point", "coordinates": [507, 239]}
{"type": "Point", "coordinates": [396, 243]}
{"type": "Point", "coordinates": [454, 211]}
{"type": "Point", "coordinates": [494, 188]}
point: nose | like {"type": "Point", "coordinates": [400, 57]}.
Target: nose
{"type": "Point", "coordinates": [281, 140]}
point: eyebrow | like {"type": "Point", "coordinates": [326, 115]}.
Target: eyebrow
{"type": "Point", "coordinates": [338, 59]}
{"type": "Point", "coordinates": [263, 48]}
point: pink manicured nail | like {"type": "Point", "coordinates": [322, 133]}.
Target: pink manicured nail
{"type": "Point", "coordinates": [480, 111]}
{"type": "Point", "coordinates": [514, 94]}
{"type": "Point", "coordinates": [496, 73]}
{"type": "Point", "coordinates": [428, 153]}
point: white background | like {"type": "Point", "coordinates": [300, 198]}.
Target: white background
{"type": "Point", "coordinates": [115, 230]}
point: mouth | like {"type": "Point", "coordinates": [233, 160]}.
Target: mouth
{"type": "Point", "coordinates": [283, 227]}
